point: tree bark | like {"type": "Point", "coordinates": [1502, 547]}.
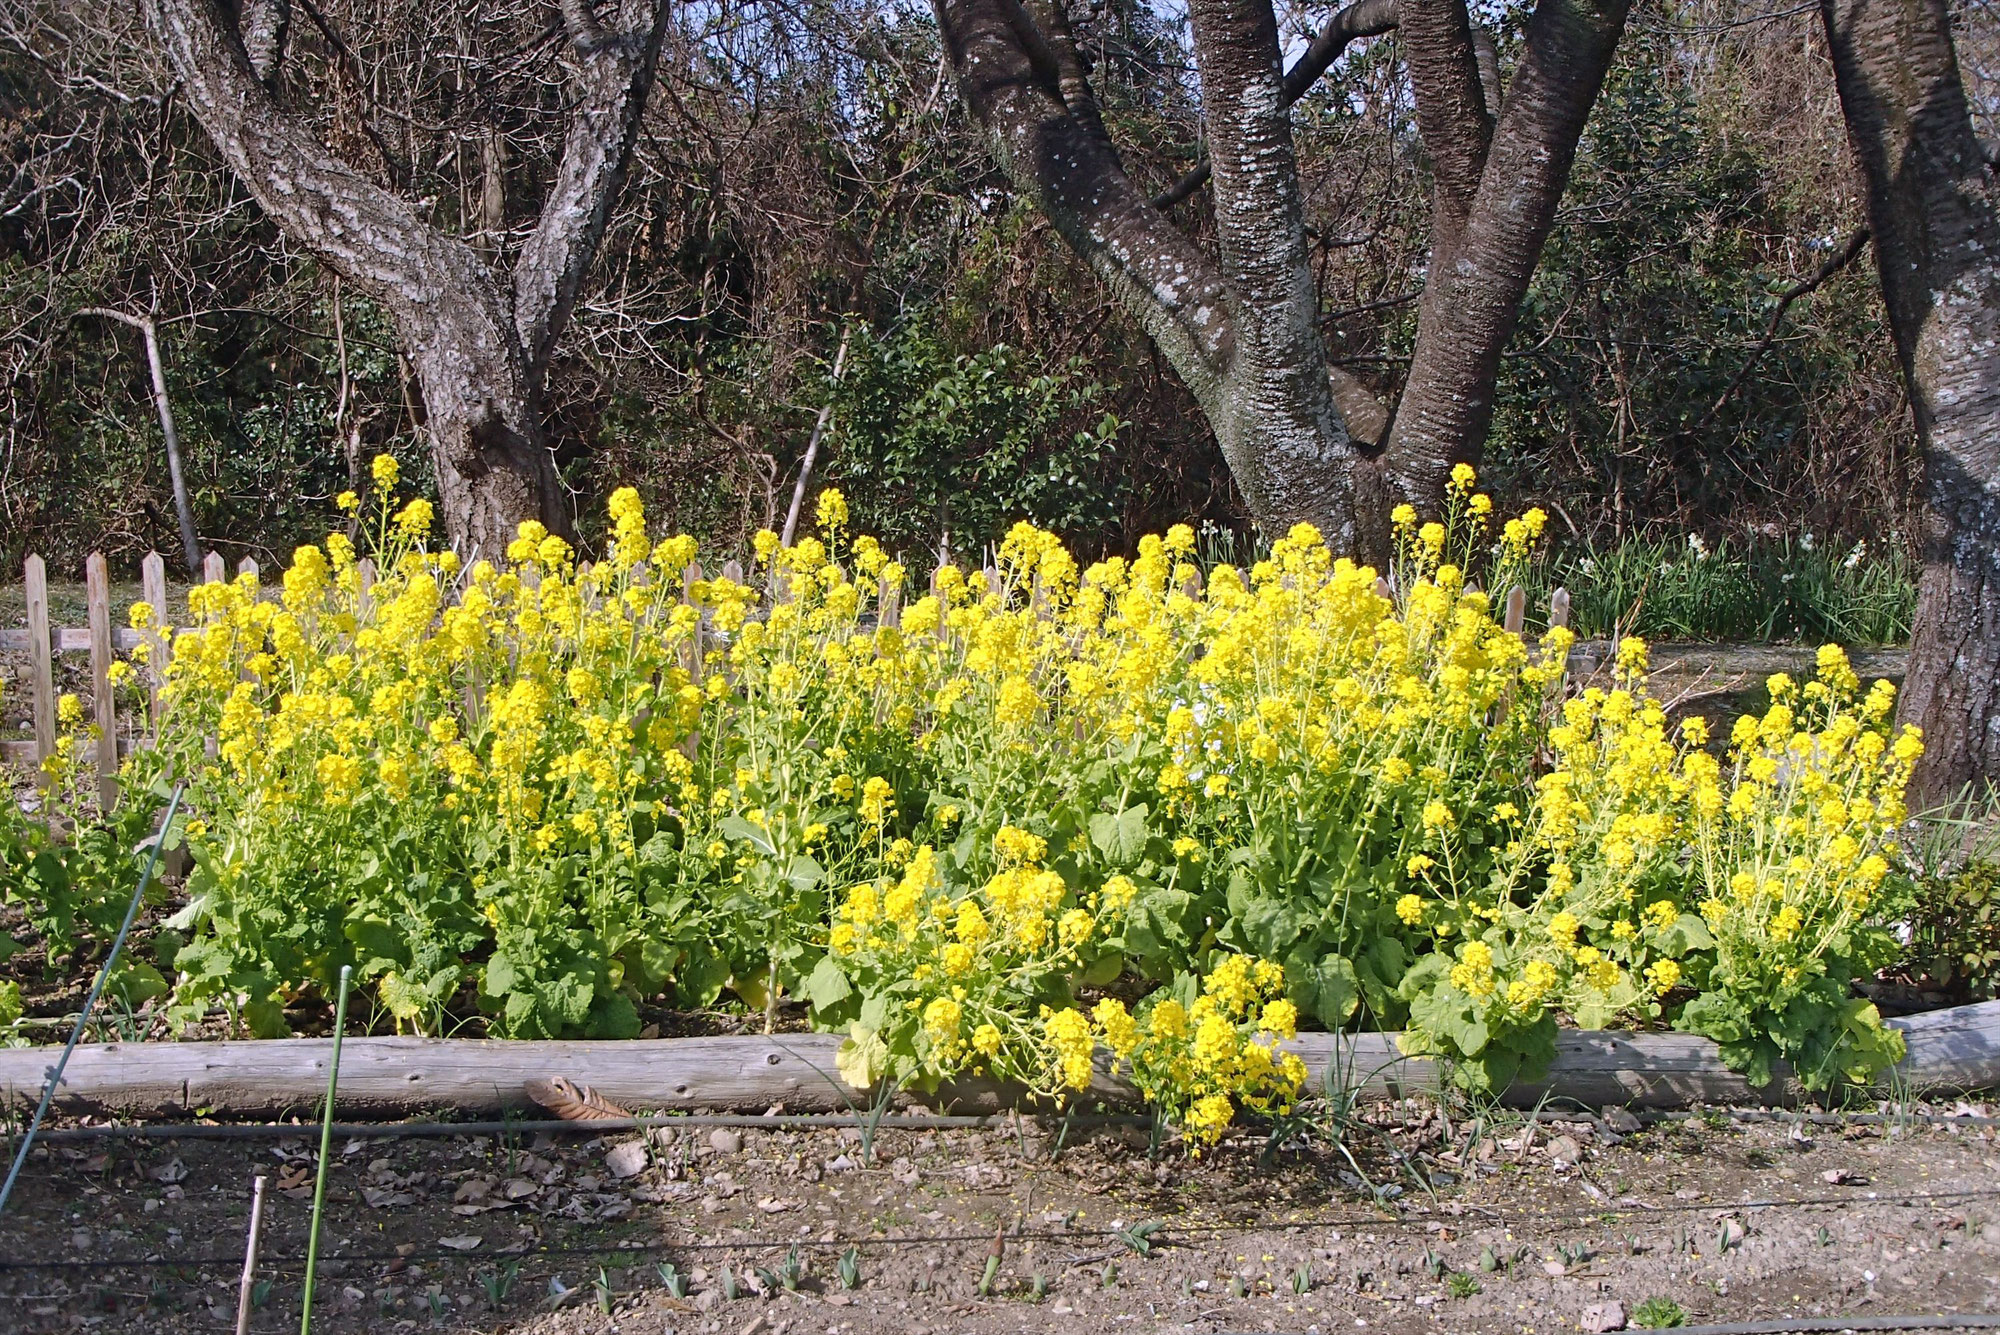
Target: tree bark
{"type": "Point", "coordinates": [480, 347]}
{"type": "Point", "coordinates": [1304, 440]}
{"type": "Point", "coordinates": [1240, 332]}
{"type": "Point", "coordinates": [1932, 208]}
{"type": "Point", "coordinates": [1484, 257]}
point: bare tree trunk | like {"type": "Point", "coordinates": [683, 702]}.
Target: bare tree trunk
{"type": "Point", "coordinates": [1492, 216]}
{"type": "Point", "coordinates": [480, 343]}
{"type": "Point", "coordinates": [1932, 209]}
{"type": "Point", "coordinates": [1302, 439]}
{"type": "Point", "coordinates": [1241, 333]}
{"type": "Point", "coordinates": [149, 330]}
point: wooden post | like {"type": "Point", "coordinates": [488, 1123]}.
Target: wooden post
{"type": "Point", "coordinates": [1517, 610]}
{"type": "Point", "coordinates": [733, 571]}
{"type": "Point", "coordinates": [692, 648]}
{"type": "Point", "coordinates": [889, 607]}
{"type": "Point", "coordinates": [247, 566]}
{"type": "Point", "coordinates": [153, 588]}
{"type": "Point", "coordinates": [41, 661]}
{"type": "Point", "coordinates": [1559, 608]}
{"type": "Point", "coordinates": [214, 569]}
{"type": "Point", "coordinates": [97, 585]}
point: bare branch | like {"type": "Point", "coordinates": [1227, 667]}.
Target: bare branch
{"type": "Point", "coordinates": [603, 127]}
{"type": "Point", "coordinates": [1832, 265]}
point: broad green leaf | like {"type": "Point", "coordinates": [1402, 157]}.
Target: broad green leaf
{"type": "Point", "coordinates": [1270, 926]}
{"type": "Point", "coordinates": [827, 985]}
{"type": "Point", "coordinates": [1121, 838]}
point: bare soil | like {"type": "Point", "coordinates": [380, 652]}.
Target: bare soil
{"type": "Point", "coordinates": [1520, 1229]}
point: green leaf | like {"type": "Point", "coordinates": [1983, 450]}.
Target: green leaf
{"type": "Point", "coordinates": [1689, 933]}
{"type": "Point", "coordinates": [1327, 988]}
{"type": "Point", "coordinates": [804, 873]}
{"type": "Point", "coordinates": [501, 977]}
{"type": "Point", "coordinates": [702, 977]}
{"type": "Point", "coordinates": [1270, 926]}
{"type": "Point", "coordinates": [1121, 838]}
{"type": "Point", "coordinates": [266, 1018]}
{"type": "Point", "coordinates": [827, 985]}
{"type": "Point", "coordinates": [405, 1002]}
{"type": "Point", "coordinates": [1153, 923]}
{"type": "Point", "coordinates": [614, 1016]}
{"type": "Point", "coordinates": [759, 838]}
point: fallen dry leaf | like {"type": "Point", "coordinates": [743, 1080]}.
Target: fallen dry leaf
{"type": "Point", "coordinates": [572, 1102]}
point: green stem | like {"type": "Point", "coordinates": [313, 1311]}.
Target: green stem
{"type": "Point", "coordinates": [325, 1147]}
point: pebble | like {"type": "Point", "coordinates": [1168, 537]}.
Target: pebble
{"type": "Point", "coordinates": [724, 1141]}
{"type": "Point", "coordinates": [1598, 1318]}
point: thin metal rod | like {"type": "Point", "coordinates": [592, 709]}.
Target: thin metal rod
{"type": "Point", "coordinates": [90, 1001]}
{"type": "Point", "coordinates": [325, 1149]}
{"type": "Point", "coordinates": [249, 1281]}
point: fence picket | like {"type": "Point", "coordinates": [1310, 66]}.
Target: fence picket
{"type": "Point", "coordinates": [214, 569]}
{"type": "Point", "coordinates": [1559, 608]}
{"type": "Point", "coordinates": [1517, 610]}
{"type": "Point", "coordinates": [97, 586]}
{"type": "Point", "coordinates": [42, 664]}
{"type": "Point", "coordinates": [153, 588]}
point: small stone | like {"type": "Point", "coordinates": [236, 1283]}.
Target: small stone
{"type": "Point", "coordinates": [1554, 1269]}
{"type": "Point", "coordinates": [1563, 1151]}
{"type": "Point", "coordinates": [1599, 1318]}
{"type": "Point", "coordinates": [170, 1172]}
{"type": "Point", "coordinates": [724, 1141]}
{"type": "Point", "coordinates": [627, 1159]}
{"type": "Point", "coordinates": [1622, 1121]}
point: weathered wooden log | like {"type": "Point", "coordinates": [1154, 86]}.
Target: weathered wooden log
{"type": "Point", "coordinates": [1953, 1050]}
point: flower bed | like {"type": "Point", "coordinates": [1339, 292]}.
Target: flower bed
{"type": "Point", "coordinates": [1037, 809]}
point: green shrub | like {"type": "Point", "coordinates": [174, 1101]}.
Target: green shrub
{"type": "Point", "coordinates": [1955, 928]}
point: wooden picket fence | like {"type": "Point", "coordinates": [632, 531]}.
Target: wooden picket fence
{"type": "Point", "coordinates": [104, 641]}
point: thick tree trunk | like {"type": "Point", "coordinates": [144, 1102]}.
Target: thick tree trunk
{"type": "Point", "coordinates": [1277, 423]}
{"type": "Point", "coordinates": [1486, 244]}
{"type": "Point", "coordinates": [1932, 208]}
{"type": "Point", "coordinates": [1241, 333]}
{"type": "Point", "coordinates": [480, 347]}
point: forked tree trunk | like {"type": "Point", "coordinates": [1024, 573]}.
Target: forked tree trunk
{"type": "Point", "coordinates": [479, 341]}
{"type": "Point", "coordinates": [1303, 440]}
{"type": "Point", "coordinates": [1932, 208]}
{"type": "Point", "coordinates": [1488, 230]}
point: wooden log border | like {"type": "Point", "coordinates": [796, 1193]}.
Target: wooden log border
{"type": "Point", "coordinates": [1950, 1051]}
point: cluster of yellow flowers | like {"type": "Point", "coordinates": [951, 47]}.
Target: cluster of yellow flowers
{"type": "Point", "coordinates": [955, 820]}
{"type": "Point", "coordinates": [1204, 1062]}
{"type": "Point", "coordinates": [1739, 885]}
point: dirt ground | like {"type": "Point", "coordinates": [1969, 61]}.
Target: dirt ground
{"type": "Point", "coordinates": [1458, 1226]}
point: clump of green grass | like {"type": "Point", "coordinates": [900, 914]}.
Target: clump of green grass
{"type": "Point", "coordinates": [1778, 589]}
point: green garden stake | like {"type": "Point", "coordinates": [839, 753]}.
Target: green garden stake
{"type": "Point", "coordinates": [325, 1148]}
